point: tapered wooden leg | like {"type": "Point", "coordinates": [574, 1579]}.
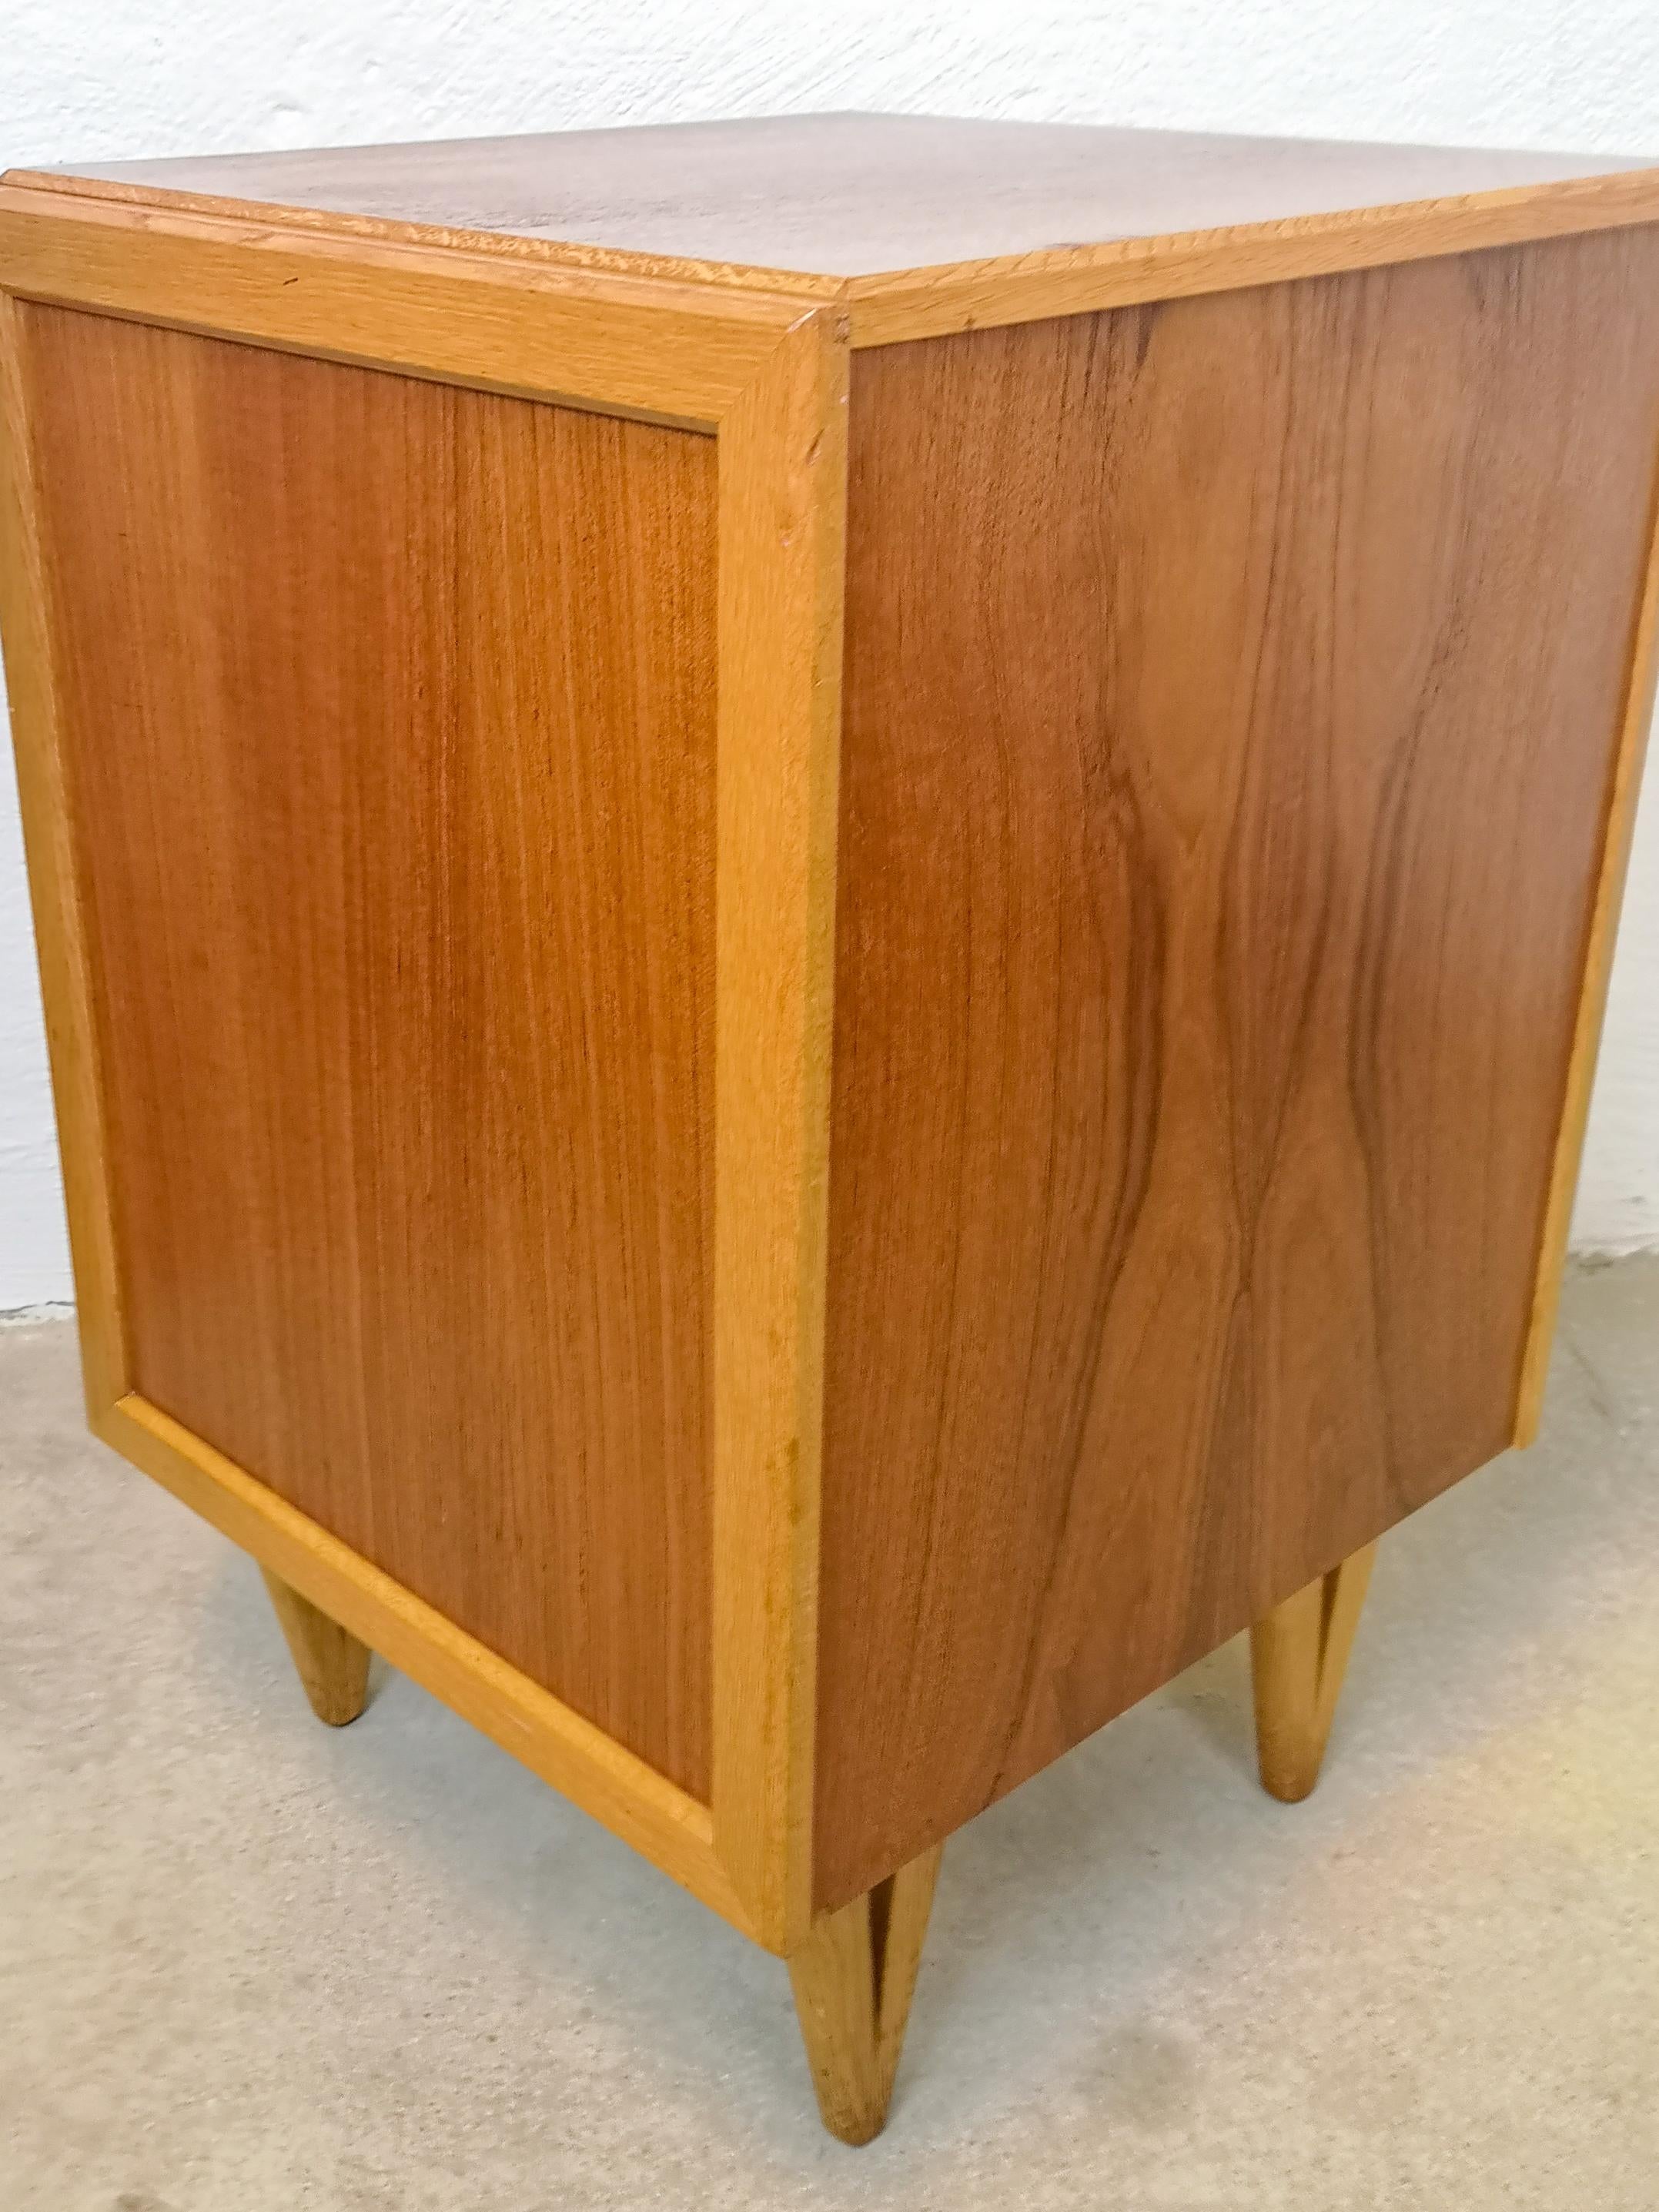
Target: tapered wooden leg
{"type": "Point", "coordinates": [854, 1979]}
{"type": "Point", "coordinates": [333, 1666]}
{"type": "Point", "coordinates": [1299, 1654]}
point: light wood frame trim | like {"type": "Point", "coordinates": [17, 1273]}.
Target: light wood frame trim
{"type": "Point", "coordinates": [931, 303]}
{"type": "Point", "coordinates": [621, 345]}
{"type": "Point", "coordinates": [60, 933]}
{"type": "Point", "coordinates": [889, 307]}
{"type": "Point", "coordinates": [568, 254]}
{"type": "Point", "coordinates": [767, 377]}
{"type": "Point", "coordinates": [782, 505]}
{"type": "Point", "coordinates": [1636, 720]}
{"type": "Point", "coordinates": [630, 1798]}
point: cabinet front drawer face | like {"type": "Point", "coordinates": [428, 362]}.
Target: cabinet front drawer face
{"type": "Point", "coordinates": [389, 711]}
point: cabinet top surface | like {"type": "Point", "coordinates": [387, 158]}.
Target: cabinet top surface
{"type": "Point", "coordinates": [847, 196]}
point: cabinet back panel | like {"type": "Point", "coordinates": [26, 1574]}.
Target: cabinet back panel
{"type": "Point", "coordinates": [1231, 696]}
{"type": "Point", "coordinates": [389, 713]}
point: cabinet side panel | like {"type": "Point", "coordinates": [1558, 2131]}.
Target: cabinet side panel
{"type": "Point", "coordinates": [390, 712]}
{"type": "Point", "coordinates": [1231, 699]}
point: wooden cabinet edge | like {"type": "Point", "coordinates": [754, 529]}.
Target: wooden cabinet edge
{"type": "Point", "coordinates": [651, 349]}
{"type": "Point", "coordinates": [905, 304]}
{"type": "Point", "coordinates": [1635, 724]}
{"type": "Point", "coordinates": [883, 308]}
{"type": "Point", "coordinates": [782, 519]}
{"type": "Point", "coordinates": [47, 818]}
{"type": "Point", "coordinates": [605, 1780]}
{"type": "Point", "coordinates": [567, 258]}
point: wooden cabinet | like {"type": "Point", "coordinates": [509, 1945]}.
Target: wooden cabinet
{"type": "Point", "coordinates": [824, 905]}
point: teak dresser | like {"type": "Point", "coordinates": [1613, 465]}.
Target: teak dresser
{"type": "Point", "coordinates": [824, 906]}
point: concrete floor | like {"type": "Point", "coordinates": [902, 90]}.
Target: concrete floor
{"type": "Point", "coordinates": [248, 1964]}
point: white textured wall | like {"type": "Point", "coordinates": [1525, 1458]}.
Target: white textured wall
{"type": "Point", "coordinates": [80, 78]}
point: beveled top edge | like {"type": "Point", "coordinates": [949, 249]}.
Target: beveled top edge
{"type": "Point", "coordinates": [1374, 207]}
{"type": "Point", "coordinates": [839, 199]}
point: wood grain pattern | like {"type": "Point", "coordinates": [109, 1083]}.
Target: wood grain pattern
{"type": "Point", "coordinates": [568, 1753]}
{"type": "Point", "coordinates": [913, 225]}
{"type": "Point", "coordinates": [783, 485]}
{"type": "Point", "coordinates": [331, 1663]}
{"type": "Point", "coordinates": [1231, 703]}
{"type": "Point", "coordinates": [625, 345]}
{"type": "Point", "coordinates": [391, 709]}
{"type": "Point", "coordinates": [1638, 724]}
{"type": "Point", "coordinates": [56, 891]}
{"type": "Point", "coordinates": [847, 195]}
{"type": "Point", "coordinates": [921, 303]}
